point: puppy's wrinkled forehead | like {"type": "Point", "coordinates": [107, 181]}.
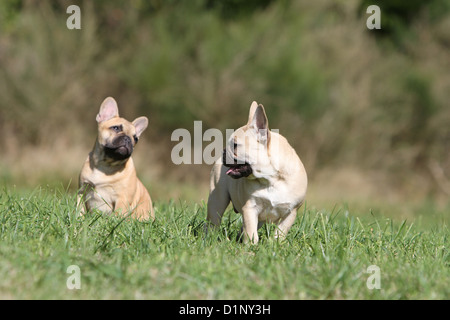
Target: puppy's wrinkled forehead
{"type": "Point", "coordinates": [114, 127]}
{"type": "Point", "coordinates": [124, 125]}
{"type": "Point", "coordinates": [239, 134]}
{"type": "Point", "coordinates": [242, 137]}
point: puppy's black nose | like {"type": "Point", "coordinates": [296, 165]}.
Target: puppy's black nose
{"type": "Point", "coordinates": [127, 139]}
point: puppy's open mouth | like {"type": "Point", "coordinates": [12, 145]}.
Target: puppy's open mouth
{"type": "Point", "coordinates": [237, 171]}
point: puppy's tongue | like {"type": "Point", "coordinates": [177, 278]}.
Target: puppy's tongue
{"type": "Point", "coordinates": [229, 171]}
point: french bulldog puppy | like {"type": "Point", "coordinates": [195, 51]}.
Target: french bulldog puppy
{"type": "Point", "coordinates": [262, 176]}
{"type": "Point", "coordinates": [108, 180]}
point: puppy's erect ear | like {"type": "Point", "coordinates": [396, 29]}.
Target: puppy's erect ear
{"type": "Point", "coordinates": [253, 107]}
{"type": "Point", "coordinates": [140, 124]}
{"type": "Point", "coordinates": [108, 110]}
{"type": "Point", "coordinates": [258, 121]}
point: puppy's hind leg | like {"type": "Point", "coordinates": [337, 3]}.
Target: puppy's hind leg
{"type": "Point", "coordinates": [218, 201]}
{"type": "Point", "coordinates": [219, 198]}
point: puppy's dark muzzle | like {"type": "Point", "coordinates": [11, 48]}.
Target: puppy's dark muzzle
{"type": "Point", "coordinates": [120, 149]}
{"type": "Point", "coordinates": [236, 170]}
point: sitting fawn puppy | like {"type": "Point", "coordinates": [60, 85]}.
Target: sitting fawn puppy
{"type": "Point", "coordinates": [108, 180]}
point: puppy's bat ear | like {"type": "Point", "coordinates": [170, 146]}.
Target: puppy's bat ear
{"type": "Point", "coordinates": [108, 110]}
{"type": "Point", "coordinates": [140, 124]}
{"type": "Point", "coordinates": [258, 121]}
{"type": "Point", "coordinates": [252, 112]}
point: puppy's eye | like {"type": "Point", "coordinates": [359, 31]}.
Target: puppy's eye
{"type": "Point", "coordinates": [136, 139]}
{"type": "Point", "coordinates": [116, 128]}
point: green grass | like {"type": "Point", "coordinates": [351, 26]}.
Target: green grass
{"type": "Point", "coordinates": [325, 255]}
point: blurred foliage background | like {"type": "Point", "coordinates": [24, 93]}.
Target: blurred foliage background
{"type": "Point", "coordinates": [367, 110]}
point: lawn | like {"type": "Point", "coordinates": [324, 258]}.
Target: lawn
{"type": "Point", "coordinates": [326, 255]}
